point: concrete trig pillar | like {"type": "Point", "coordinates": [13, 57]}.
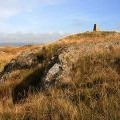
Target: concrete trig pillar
{"type": "Point", "coordinates": [95, 29]}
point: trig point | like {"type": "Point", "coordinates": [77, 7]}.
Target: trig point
{"type": "Point", "coordinates": [95, 29]}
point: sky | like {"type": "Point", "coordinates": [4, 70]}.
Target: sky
{"type": "Point", "coordinates": [58, 16]}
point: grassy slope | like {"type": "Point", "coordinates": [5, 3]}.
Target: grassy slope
{"type": "Point", "coordinates": [93, 94]}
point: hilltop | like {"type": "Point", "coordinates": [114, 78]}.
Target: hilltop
{"type": "Point", "coordinates": [77, 77]}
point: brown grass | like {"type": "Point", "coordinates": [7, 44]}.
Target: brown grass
{"type": "Point", "coordinates": [93, 93]}
{"type": "Point", "coordinates": [90, 36]}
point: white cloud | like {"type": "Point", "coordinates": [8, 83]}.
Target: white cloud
{"type": "Point", "coordinates": [10, 8]}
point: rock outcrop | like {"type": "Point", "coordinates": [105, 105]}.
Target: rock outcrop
{"type": "Point", "coordinates": [25, 60]}
{"type": "Point", "coordinates": [57, 70]}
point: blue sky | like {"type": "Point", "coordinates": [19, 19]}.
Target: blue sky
{"type": "Point", "coordinates": [63, 16]}
{"type": "Point", "coordinates": [58, 16]}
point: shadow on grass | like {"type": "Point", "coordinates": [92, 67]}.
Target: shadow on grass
{"type": "Point", "coordinates": [31, 83]}
{"type": "Point", "coordinates": [34, 82]}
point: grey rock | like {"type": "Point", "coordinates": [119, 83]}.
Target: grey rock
{"type": "Point", "coordinates": [53, 72]}
{"type": "Point", "coordinates": [25, 60]}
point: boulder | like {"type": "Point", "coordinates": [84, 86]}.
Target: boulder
{"type": "Point", "coordinates": [52, 76]}
{"type": "Point", "coordinates": [25, 60]}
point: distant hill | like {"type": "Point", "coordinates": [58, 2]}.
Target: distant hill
{"type": "Point", "coordinates": [29, 38]}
